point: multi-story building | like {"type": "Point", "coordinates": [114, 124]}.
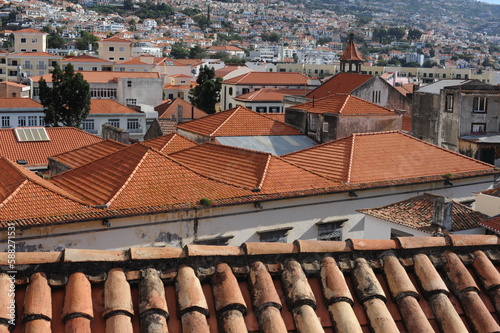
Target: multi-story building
{"type": "Point", "coordinates": [29, 40]}
{"type": "Point", "coordinates": [115, 49]}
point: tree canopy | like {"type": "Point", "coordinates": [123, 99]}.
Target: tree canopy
{"type": "Point", "coordinates": [85, 40]}
{"type": "Point", "coordinates": [67, 101]}
{"type": "Point", "coordinates": [178, 51]}
{"type": "Point", "coordinates": [207, 93]}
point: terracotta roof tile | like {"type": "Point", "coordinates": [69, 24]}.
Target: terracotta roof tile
{"type": "Point", "coordinates": [212, 293]}
{"type": "Point", "coordinates": [169, 108]}
{"type": "Point", "coordinates": [238, 121]}
{"type": "Point", "coordinates": [109, 106]}
{"type": "Point", "coordinates": [492, 224]}
{"type": "Point", "coordinates": [116, 40]}
{"type": "Point", "coordinates": [417, 213]}
{"type": "Point", "coordinates": [170, 143]}
{"type": "Point", "coordinates": [269, 79]}
{"type": "Point", "coordinates": [342, 83]}
{"type": "Point", "coordinates": [368, 157]}
{"type": "Point", "coordinates": [351, 52]}
{"type": "Point", "coordinates": [344, 104]}
{"type": "Point", "coordinates": [19, 103]}
{"type": "Point", "coordinates": [85, 58]}
{"type": "Point", "coordinates": [62, 139]}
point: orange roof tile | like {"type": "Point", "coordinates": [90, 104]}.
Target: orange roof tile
{"type": "Point", "coordinates": [344, 104]}
{"type": "Point", "coordinates": [62, 139]}
{"type": "Point", "coordinates": [104, 76]}
{"type": "Point", "coordinates": [107, 106]}
{"type": "Point", "coordinates": [169, 109]}
{"type": "Point", "coordinates": [405, 284]}
{"type": "Point", "coordinates": [19, 103]}
{"type": "Point", "coordinates": [492, 224]}
{"type": "Point", "coordinates": [30, 31]}
{"type": "Point", "coordinates": [382, 156]}
{"type": "Point", "coordinates": [116, 40]}
{"type": "Point", "coordinates": [84, 58]}
{"type": "Point", "coordinates": [267, 95]}
{"type": "Point", "coordinates": [129, 179]}
{"type": "Point", "coordinates": [342, 83]}
{"type": "Point", "coordinates": [351, 52]}
{"type": "Point", "coordinates": [133, 61]}
{"type": "Point", "coordinates": [269, 79]}
{"type": "Point", "coordinates": [238, 121]}
{"type": "Point", "coordinates": [36, 54]}
{"type": "Point", "coordinates": [249, 169]}
{"type": "Point", "coordinates": [169, 143]}
{"type": "Point", "coordinates": [84, 155]}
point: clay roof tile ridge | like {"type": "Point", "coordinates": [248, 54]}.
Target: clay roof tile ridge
{"type": "Point", "coordinates": [348, 97]}
{"type": "Point", "coordinates": [349, 169]}
{"type": "Point", "coordinates": [13, 194]}
{"type": "Point", "coordinates": [264, 172]}
{"type": "Point", "coordinates": [226, 120]}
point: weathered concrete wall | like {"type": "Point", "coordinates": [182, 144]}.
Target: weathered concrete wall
{"type": "Point", "coordinates": [297, 118]}
{"type": "Point", "coordinates": [117, 134]}
{"type": "Point", "coordinates": [193, 136]}
{"type": "Point", "coordinates": [362, 124]}
{"type": "Point", "coordinates": [145, 91]}
{"type": "Point", "coordinates": [425, 119]}
{"type": "Point", "coordinates": [243, 222]}
{"type": "Point", "coordinates": [56, 167]}
{"type": "Point", "coordinates": [487, 204]}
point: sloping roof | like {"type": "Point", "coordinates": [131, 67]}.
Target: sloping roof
{"type": "Point", "coordinates": [238, 121]}
{"type": "Point", "coordinates": [342, 83]}
{"type": "Point", "coordinates": [249, 169]}
{"type": "Point", "coordinates": [84, 155]}
{"type": "Point", "coordinates": [169, 143]}
{"type": "Point", "coordinates": [268, 95]}
{"type": "Point", "coordinates": [272, 144]}
{"type": "Point", "coordinates": [409, 284]}
{"type": "Point", "coordinates": [116, 40]}
{"type": "Point", "coordinates": [344, 104]}
{"type": "Point", "coordinates": [417, 213]}
{"type": "Point", "coordinates": [104, 76]}
{"type": "Point", "coordinates": [381, 156]}
{"type": "Point", "coordinates": [109, 106]}
{"type": "Point", "coordinates": [169, 109]}
{"type": "Point", "coordinates": [435, 88]}
{"type": "Point", "coordinates": [84, 58]}
{"type": "Point", "coordinates": [17, 184]}
{"type": "Point", "coordinates": [133, 61]}
{"type": "Point", "coordinates": [62, 139]}
{"type": "Point", "coordinates": [351, 52]}
{"type": "Point", "coordinates": [493, 224]}
{"type": "Point", "coordinates": [269, 79]}
{"type": "Point", "coordinates": [19, 103]}
{"type": "Point", "coordinates": [29, 30]}
{"type": "Point", "coordinates": [129, 179]}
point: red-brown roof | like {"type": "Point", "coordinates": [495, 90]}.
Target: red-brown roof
{"type": "Point", "coordinates": [238, 121]}
{"type": "Point", "coordinates": [351, 52]}
{"type": "Point", "coordinates": [116, 40]}
{"type": "Point", "coordinates": [108, 106]}
{"type": "Point", "coordinates": [249, 169]}
{"type": "Point", "coordinates": [169, 109]}
{"type": "Point", "coordinates": [84, 58]}
{"type": "Point", "coordinates": [408, 284]}
{"type": "Point", "coordinates": [62, 139]}
{"type": "Point", "coordinates": [492, 224]}
{"type": "Point", "coordinates": [169, 143]}
{"type": "Point", "coordinates": [344, 104]}
{"type": "Point", "coordinates": [269, 79]}
{"type": "Point", "coordinates": [342, 83]}
{"type": "Point", "coordinates": [382, 156]}
{"type": "Point", "coordinates": [417, 213]}
{"type": "Point", "coordinates": [29, 30]}
{"type": "Point", "coordinates": [19, 103]}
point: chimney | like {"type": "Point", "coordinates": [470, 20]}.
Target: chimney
{"type": "Point", "coordinates": [180, 113]}
{"type": "Point", "coordinates": [441, 216]}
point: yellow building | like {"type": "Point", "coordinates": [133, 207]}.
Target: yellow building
{"type": "Point", "coordinates": [29, 40]}
{"type": "Point", "coordinates": [115, 49]}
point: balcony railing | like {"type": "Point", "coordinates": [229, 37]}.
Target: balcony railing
{"type": "Point", "coordinates": [28, 66]}
{"type": "Point", "coordinates": [41, 66]}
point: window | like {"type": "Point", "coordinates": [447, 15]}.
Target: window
{"type": "Point", "coordinates": [34, 50]}
{"type": "Point", "coordinates": [5, 121]}
{"type": "Point", "coordinates": [261, 109]}
{"type": "Point", "coordinates": [94, 69]}
{"type": "Point", "coordinates": [449, 103]}
{"type": "Point", "coordinates": [12, 73]}
{"type": "Point", "coordinates": [88, 125]}
{"type": "Point", "coordinates": [313, 122]}
{"type": "Point", "coordinates": [274, 109]}
{"type": "Point", "coordinates": [479, 104]}
{"type": "Point", "coordinates": [14, 63]}
{"type": "Point", "coordinates": [36, 91]}
{"type": "Point", "coordinates": [114, 122]}
{"type": "Point", "coordinates": [376, 96]}
{"type": "Point", "coordinates": [330, 230]}
{"type": "Point", "coordinates": [131, 101]}
{"type": "Point", "coordinates": [444, 75]}
{"type": "Point", "coordinates": [41, 120]}
{"type": "Point", "coordinates": [111, 48]}
{"type": "Point", "coordinates": [458, 76]}
{"type": "Point", "coordinates": [245, 91]}
{"type": "Point", "coordinates": [53, 63]}
{"type": "Point", "coordinates": [23, 50]}
{"type": "Point", "coordinates": [230, 106]}
{"type": "Point", "coordinates": [21, 121]}
{"type": "Point", "coordinates": [111, 58]}
{"type": "Point", "coordinates": [121, 49]}
{"type": "Point", "coordinates": [121, 58]}
{"type": "Point", "coordinates": [129, 83]}
{"type": "Point", "coordinates": [325, 127]}
{"type": "Point", "coordinates": [478, 128]}
{"type": "Point", "coordinates": [23, 40]}
{"type": "Point", "coordinates": [34, 40]}
{"type": "Point", "coordinates": [230, 91]}
{"type": "Point", "coordinates": [80, 68]}
{"type": "Point", "coordinates": [133, 125]}
{"type": "Point", "coordinates": [32, 121]}
{"type": "Point", "coordinates": [274, 236]}
{"type": "Point", "coordinates": [220, 240]}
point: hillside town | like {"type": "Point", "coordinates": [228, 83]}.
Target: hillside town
{"type": "Point", "coordinates": [248, 167]}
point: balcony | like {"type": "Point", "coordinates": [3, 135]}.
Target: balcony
{"type": "Point", "coordinates": [40, 66]}
{"type": "Point", "coordinates": [28, 66]}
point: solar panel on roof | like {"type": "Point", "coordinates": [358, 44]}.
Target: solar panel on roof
{"type": "Point", "coordinates": [28, 134]}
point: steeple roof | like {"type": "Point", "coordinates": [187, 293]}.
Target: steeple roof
{"type": "Point", "coordinates": [351, 52]}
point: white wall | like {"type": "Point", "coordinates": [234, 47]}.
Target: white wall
{"type": "Point", "coordinates": [487, 204]}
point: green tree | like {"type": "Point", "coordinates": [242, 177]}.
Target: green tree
{"type": "Point", "coordinates": [55, 41]}
{"type": "Point", "coordinates": [85, 40]}
{"type": "Point", "coordinates": [429, 64]}
{"type": "Point", "coordinates": [207, 93]}
{"type": "Point", "coordinates": [196, 52]}
{"type": "Point", "coordinates": [323, 40]}
{"type": "Point", "coordinates": [396, 33]}
{"type": "Point", "coordinates": [178, 51]}
{"type": "Point", "coordinates": [128, 5]}
{"type": "Point", "coordinates": [414, 34]}
{"type": "Point", "coordinates": [67, 101]}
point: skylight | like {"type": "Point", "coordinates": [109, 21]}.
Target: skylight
{"type": "Point", "coordinates": [28, 134]}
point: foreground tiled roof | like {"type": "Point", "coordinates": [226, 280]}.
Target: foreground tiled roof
{"type": "Point", "coordinates": [344, 104]}
{"type": "Point", "coordinates": [169, 109]}
{"type": "Point", "coordinates": [342, 83]}
{"type": "Point", "coordinates": [62, 139]}
{"type": "Point", "coordinates": [492, 224]}
{"type": "Point", "coordinates": [382, 156]}
{"type": "Point", "coordinates": [108, 106]}
{"type": "Point", "coordinates": [238, 121]}
{"type": "Point", "coordinates": [417, 213]}
{"type": "Point", "coordinates": [413, 284]}
{"type": "Point", "coordinates": [169, 143]}
{"type": "Point", "coordinates": [19, 103]}
{"type": "Point", "coordinates": [269, 79]}
{"type": "Point", "coordinates": [88, 154]}
{"type": "Point", "coordinates": [18, 185]}
{"type": "Point", "coordinates": [252, 170]}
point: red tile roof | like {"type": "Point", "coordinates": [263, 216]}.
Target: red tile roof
{"type": "Point", "coordinates": [492, 224]}
{"type": "Point", "coordinates": [269, 79]}
{"type": "Point", "coordinates": [344, 104]}
{"type": "Point", "coordinates": [238, 121]}
{"type": "Point", "coordinates": [62, 139]}
{"type": "Point", "coordinates": [116, 40]}
{"type": "Point", "coordinates": [84, 58]}
{"type": "Point", "coordinates": [417, 213]}
{"type": "Point", "coordinates": [409, 284]}
{"type": "Point", "coordinates": [268, 95]}
{"type": "Point", "coordinates": [19, 103]}
{"type": "Point", "coordinates": [382, 156]}
{"type": "Point", "coordinates": [249, 169]}
{"type": "Point", "coordinates": [169, 109]}
{"type": "Point", "coordinates": [109, 106]}
{"type": "Point", "coordinates": [29, 30]}
{"type": "Point", "coordinates": [351, 52]}
{"type": "Point", "coordinates": [342, 83]}
{"type": "Point", "coordinates": [169, 143]}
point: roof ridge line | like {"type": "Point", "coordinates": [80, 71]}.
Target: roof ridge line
{"type": "Point", "coordinates": [304, 169]}
{"type": "Point", "coordinates": [350, 160]}
{"type": "Point", "coordinates": [11, 196]}
{"type": "Point", "coordinates": [264, 173]}
{"type": "Point", "coordinates": [345, 103]}
{"type": "Point", "coordinates": [225, 121]}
